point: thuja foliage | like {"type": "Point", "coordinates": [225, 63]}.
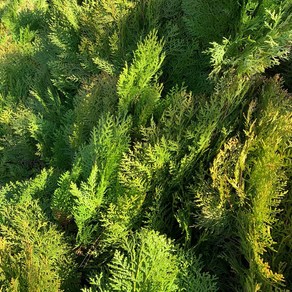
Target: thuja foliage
{"type": "Point", "coordinates": [134, 267]}
{"type": "Point", "coordinates": [34, 255]}
{"type": "Point", "coordinates": [145, 145]}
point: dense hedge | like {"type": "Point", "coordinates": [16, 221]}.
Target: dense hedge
{"type": "Point", "coordinates": [145, 145]}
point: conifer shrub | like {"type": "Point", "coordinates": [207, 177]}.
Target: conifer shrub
{"type": "Point", "coordinates": [95, 169]}
{"type": "Point", "coordinates": [38, 188]}
{"type": "Point", "coordinates": [18, 157]}
{"type": "Point", "coordinates": [96, 97]}
{"type": "Point", "coordinates": [210, 21]}
{"type": "Point", "coordinates": [20, 69]}
{"type": "Point", "coordinates": [145, 145]}
{"type": "Point", "coordinates": [135, 267]}
{"type": "Point", "coordinates": [137, 87]}
{"type": "Point", "coordinates": [247, 186]}
{"type": "Point", "coordinates": [34, 255]}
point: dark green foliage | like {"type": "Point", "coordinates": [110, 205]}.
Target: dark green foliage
{"type": "Point", "coordinates": [21, 69]}
{"type": "Point", "coordinates": [209, 21]}
{"type": "Point", "coordinates": [156, 135]}
{"type": "Point", "coordinates": [18, 157]}
{"type": "Point", "coordinates": [98, 96]}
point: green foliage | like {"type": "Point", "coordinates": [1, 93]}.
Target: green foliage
{"type": "Point", "coordinates": [21, 70]}
{"type": "Point", "coordinates": [263, 40]}
{"type": "Point", "coordinates": [23, 14]}
{"type": "Point", "coordinates": [138, 271]}
{"type": "Point", "coordinates": [156, 134]}
{"type": "Point", "coordinates": [97, 97]}
{"type": "Point", "coordinates": [191, 275]}
{"type": "Point", "coordinates": [103, 32]}
{"type": "Point", "coordinates": [48, 109]}
{"type": "Point", "coordinates": [185, 64]}
{"type": "Point", "coordinates": [34, 256]}
{"type": "Point", "coordinates": [138, 88]}
{"type": "Point", "coordinates": [62, 201]}
{"type": "Point", "coordinates": [65, 66]}
{"type": "Point", "coordinates": [18, 157]}
{"type": "Point", "coordinates": [96, 167]}
{"type": "Point", "coordinates": [209, 21]}
{"type": "Point", "coordinates": [266, 189]}
{"type": "Point", "coordinates": [247, 184]}
{"type": "Point", "coordinates": [136, 268]}
{"type": "Point", "coordinates": [38, 188]}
